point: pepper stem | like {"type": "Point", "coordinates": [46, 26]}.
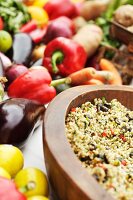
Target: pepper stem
{"type": "Point", "coordinates": [57, 58]}
{"type": "Point", "coordinates": [60, 81]}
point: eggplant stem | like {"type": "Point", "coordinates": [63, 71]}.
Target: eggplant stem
{"type": "Point", "coordinates": [57, 58]}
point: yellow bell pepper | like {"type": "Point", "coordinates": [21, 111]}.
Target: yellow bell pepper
{"type": "Point", "coordinates": [40, 3]}
{"type": "Point", "coordinates": [38, 14]}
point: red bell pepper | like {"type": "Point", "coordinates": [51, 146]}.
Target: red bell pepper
{"type": "Point", "coordinates": [33, 84]}
{"type": "Point", "coordinates": [29, 26]}
{"type": "Point", "coordinates": [59, 27]}
{"type": "Point", "coordinates": [57, 8]}
{"type": "Point", "coordinates": [64, 56]}
{"type": "Point", "coordinates": [1, 23]}
{"type": "Point", "coordinates": [8, 190]}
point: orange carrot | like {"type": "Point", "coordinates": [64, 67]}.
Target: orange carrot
{"type": "Point", "coordinates": [87, 74]}
{"type": "Point", "coordinates": [81, 76]}
{"type": "Point", "coordinates": [107, 65]}
{"type": "Point", "coordinates": [84, 75]}
{"type": "Point", "coordinates": [104, 76]}
{"type": "Point", "coordinates": [93, 82]}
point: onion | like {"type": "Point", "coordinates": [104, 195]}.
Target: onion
{"type": "Point", "coordinates": [5, 61]}
{"type": "Point", "coordinates": [14, 71]}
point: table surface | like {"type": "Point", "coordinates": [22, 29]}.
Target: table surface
{"type": "Point", "coordinates": [33, 151]}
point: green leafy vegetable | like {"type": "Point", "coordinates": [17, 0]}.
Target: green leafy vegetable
{"type": "Point", "coordinates": [14, 14]}
{"type": "Point", "coordinates": [104, 21]}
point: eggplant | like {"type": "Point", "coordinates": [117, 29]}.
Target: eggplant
{"type": "Point", "coordinates": [18, 119]}
{"type": "Point", "coordinates": [1, 68]}
{"type": "Point", "coordinates": [21, 49]}
{"type": "Point", "coordinates": [37, 62]}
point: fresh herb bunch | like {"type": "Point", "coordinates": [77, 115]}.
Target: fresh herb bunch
{"type": "Point", "coordinates": [104, 21]}
{"type": "Point", "coordinates": [14, 13]}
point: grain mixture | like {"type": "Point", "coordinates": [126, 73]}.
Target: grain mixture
{"type": "Point", "coordinates": [100, 134]}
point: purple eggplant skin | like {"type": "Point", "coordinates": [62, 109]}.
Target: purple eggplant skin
{"type": "Point", "coordinates": [1, 68]}
{"type": "Point", "coordinates": [21, 50]}
{"type": "Point", "coordinates": [37, 62]}
{"type": "Point", "coordinates": [18, 119]}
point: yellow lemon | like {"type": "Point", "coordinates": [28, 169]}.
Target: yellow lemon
{"type": "Point", "coordinates": [37, 198]}
{"type": "Point", "coordinates": [4, 173]}
{"type": "Point", "coordinates": [34, 180]}
{"type": "Point", "coordinates": [38, 14]}
{"type": "Point", "coordinates": [11, 159]}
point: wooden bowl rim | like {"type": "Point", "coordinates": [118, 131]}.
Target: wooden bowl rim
{"type": "Point", "coordinates": [58, 107]}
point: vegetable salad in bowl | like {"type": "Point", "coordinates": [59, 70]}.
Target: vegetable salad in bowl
{"type": "Point", "coordinates": [100, 134]}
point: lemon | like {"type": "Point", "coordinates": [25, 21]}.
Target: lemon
{"type": "Point", "coordinates": [4, 173]}
{"type": "Point", "coordinates": [5, 41]}
{"type": "Point", "coordinates": [11, 159]}
{"type": "Point", "coordinates": [38, 14]}
{"type": "Point", "coordinates": [37, 198]}
{"type": "Point", "coordinates": [34, 180]}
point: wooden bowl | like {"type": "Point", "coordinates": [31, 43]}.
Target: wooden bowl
{"type": "Point", "coordinates": [67, 178]}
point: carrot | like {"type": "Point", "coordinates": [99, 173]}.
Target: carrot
{"type": "Point", "coordinates": [81, 76]}
{"type": "Point", "coordinates": [93, 82]}
{"type": "Point", "coordinates": [86, 74]}
{"type": "Point", "coordinates": [107, 65]}
{"type": "Point", "coordinates": [104, 76]}
{"type": "Point", "coordinates": [89, 37]}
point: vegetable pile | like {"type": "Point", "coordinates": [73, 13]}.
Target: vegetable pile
{"type": "Point", "coordinates": [45, 53]}
{"type": "Point", "coordinates": [47, 46]}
